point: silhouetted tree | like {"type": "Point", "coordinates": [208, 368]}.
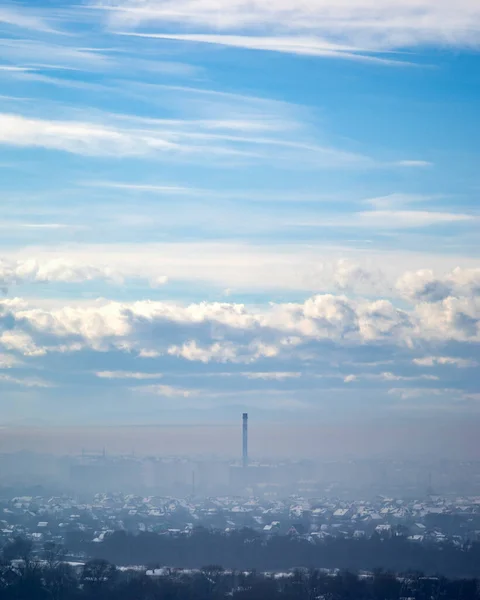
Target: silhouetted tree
{"type": "Point", "coordinates": [53, 554]}
{"type": "Point", "coordinates": [101, 581]}
{"type": "Point", "coordinates": [98, 575]}
{"type": "Point", "coordinates": [60, 582]}
{"type": "Point", "coordinates": [18, 549]}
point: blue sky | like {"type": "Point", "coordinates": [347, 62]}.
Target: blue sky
{"type": "Point", "coordinates": [217, 206]}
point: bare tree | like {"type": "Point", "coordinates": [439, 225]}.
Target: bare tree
{"type": "Point", "coordinates": [98, 574]}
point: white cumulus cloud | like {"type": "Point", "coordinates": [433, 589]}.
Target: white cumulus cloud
{"type": "Point", "coordinates": [61, 270]}
{"type": "Point", "coordinates": [424, 285]}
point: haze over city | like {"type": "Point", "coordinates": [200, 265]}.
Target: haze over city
{"type": "Point", "coordinates": [239, 300]}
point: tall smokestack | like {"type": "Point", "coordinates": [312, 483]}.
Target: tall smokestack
{"type": "Point", "coordinates": [245, 440]}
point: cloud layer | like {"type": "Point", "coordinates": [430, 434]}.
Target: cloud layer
{"type": "Point", "coordinates": [202, 355]}
{"type": "Point", "coordinates": [231, 332]}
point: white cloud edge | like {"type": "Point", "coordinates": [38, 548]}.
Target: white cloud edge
{"type": "Point", "coordinates": [286, 45]}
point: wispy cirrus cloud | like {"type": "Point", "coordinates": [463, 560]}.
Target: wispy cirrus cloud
{"type": "Point", "coordinates": [128, 375]}
{"type": "Point", "coordinates": [413, 393]}
{"type": "Point", "coordinates": [414, 163]}
{"type": "Point", "coordinates": [43, 54]}
{"type": "Point", "coordinates": [27, 382]}
{"type": "Point", "coordinates": [378, 220]}
{"type": "Point", "coordinates": [32, 59]}
{"type": "Point", "coordinates": [272, 375]}
{"type": "Point", "coordinates": [399, 200]}
{"type": "Point", "coordinates": [434, 361]}
{"type": "Point", "coordinates": [23, 18]}
{"type": "Point", "coordinates": [76, 137]}
{"type": "Point", "coordinates": [182, 140]}
{"type": "Point", "coordinates": [400, 219]}
{"type": "Point", "coordinates": [13, 225]}
{"type": "Point", "coordinates": [363, 24]}
{"type": "Point", "coordinates": [287, 45]}
{"type": "Point", "coordinates": [387, 376]}
{"type": "Point", "coordinates": [166, 391]}
{"type": "Point", "coordinates": [13, 69]}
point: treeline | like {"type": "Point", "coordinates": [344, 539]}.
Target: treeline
{"type": "Point", "coordinates": [247, 549]}
{"type": "Point", "coordinates": [48, 577]}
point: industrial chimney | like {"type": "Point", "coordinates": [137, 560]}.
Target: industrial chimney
{"type": "Point", "coordinates": [245, 440]}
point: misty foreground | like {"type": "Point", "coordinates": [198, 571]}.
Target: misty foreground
{"type": "Point", "coordinates": [247, 549]}
{"type": "Point", "coordinates": [100, 580]}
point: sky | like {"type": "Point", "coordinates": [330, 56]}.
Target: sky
{"type": "Point", "coordinates": [218, 206]}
